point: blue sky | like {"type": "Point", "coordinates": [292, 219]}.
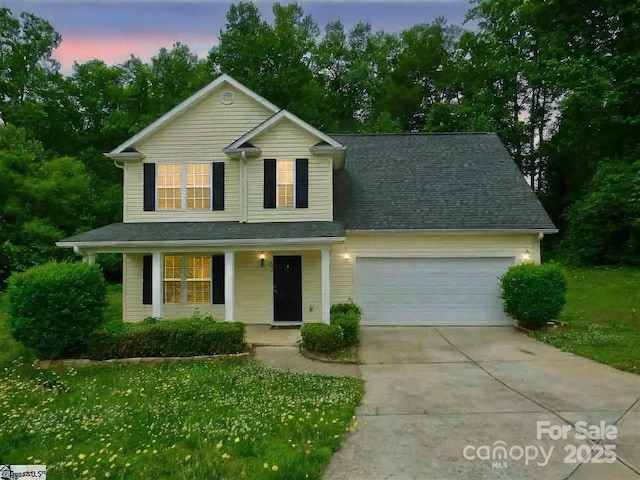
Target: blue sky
{"type": "Point", "coordinates": [113, 29]}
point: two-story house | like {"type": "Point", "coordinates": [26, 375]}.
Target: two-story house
{"type": "Point", "coordinates": [241, 209]}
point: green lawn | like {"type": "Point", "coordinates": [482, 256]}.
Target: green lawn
{"type": "Point", "coordinates": [603, 317]}
{"type": "Point", "coordinates": [191, 420]}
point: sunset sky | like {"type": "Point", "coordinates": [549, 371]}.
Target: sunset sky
{"type": "Point", "coordinates": [113, 29]}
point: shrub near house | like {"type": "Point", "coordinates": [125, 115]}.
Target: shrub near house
{"type": "Point", "coordinates": [54, 307]}
{"type": "Point", "coordinates": [533, 294]}
{"type": "Point", "coordinates": [343, 330]}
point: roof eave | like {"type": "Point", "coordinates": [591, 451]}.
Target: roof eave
{"type": "Point", "coordinates": [460, 231]}
{"type": "Point", "coordinates": [125, 156]}
{"type": "Point", "coordinates": [338, 154]}
{"type": "Point", "coordinates": [199, 243]}
{"type": "Point", "coordinates": [235, 153]}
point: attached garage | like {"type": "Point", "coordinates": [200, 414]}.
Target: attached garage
{"type": "Point", "coordinates": [431, 291]}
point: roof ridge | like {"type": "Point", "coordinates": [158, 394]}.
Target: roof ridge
{"type": "Point", "coordinates": [411, 134]}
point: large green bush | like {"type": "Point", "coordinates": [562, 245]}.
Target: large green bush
{"type": "Point", "coordinates": [349, 323]}
{"type": "Point", "coordinates": [54, 307]}
{"type": "Point", "coordinates": [533, 294]}
{"type": "Point", "coordinates": [347, 316]}
{"type": "Point", "coordinates": [321, 338]}
{"type": "Point", "coordinates": [168, 338]}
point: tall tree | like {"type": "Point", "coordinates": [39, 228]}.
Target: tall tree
{"type": "Point", "coordinates": [519, 79]}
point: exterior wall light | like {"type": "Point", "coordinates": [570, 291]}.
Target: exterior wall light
{"type": "Point", "coordinates": [346, 256]}
{"type": "Point", "coordinates": [526, 256]}
{"type": "Point", "coordinates": [262, 258]}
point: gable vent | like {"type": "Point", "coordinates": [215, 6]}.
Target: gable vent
{"type": "Point", "coordinates": [227, 98]}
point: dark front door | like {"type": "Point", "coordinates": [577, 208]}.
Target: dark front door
{"type": "Point", "coordinates": [287, 288]}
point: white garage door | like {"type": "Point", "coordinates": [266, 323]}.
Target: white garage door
{"type": "Point", "coordinates": [431, 291]}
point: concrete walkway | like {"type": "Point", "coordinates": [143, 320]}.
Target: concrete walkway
{"type": "Point", "coordinates": [277, 348]}
{"type": "Point", "coordinates": [431, 392]}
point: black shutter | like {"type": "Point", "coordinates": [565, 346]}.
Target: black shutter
{"type": "Point", "coordinates": [149, 204]}
{"type": "Point", "coordinates": [217, 264]}
{"type": "Point", "coordinates": [147, 281]}
{"type": "Point", "coordinates": [218, 186]}
{"type": "Point", "coordinates": [270, 183]}
{"type": "Point", "coordinates": [302, 183]}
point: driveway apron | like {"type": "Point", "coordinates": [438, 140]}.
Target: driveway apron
{"type": "Point", "coordinates": [439, 402]}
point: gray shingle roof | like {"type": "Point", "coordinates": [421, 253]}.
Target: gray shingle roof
{"type": "Point", "coordinates": [207, 231]}
{"type": "Point", "coordinates": [433, 181]}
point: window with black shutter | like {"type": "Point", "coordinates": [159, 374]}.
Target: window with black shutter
{"type": "Point", "coordinates": [147, 280]}
{"type": "Point", "coordinates": [269, 183]}
{"type": "Point", "coordinates": [217, 264]}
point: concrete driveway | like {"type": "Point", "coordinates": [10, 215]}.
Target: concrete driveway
{"type": "Point", "coordinates": [440, 400]}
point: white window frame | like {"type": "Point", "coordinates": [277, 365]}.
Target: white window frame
{"type": "Point", "coordinates": [184, 281]}
{"type": "Point", "coordinates": [293, 204]}
{"type": "Point", "coordinates": [183, 188]}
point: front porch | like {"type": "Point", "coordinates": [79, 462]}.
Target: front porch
{"type": "Point", "coordinates": [278, 287]}
{"type": "Point", "coordinates": [275, 273]}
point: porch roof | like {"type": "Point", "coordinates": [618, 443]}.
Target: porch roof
{"type": "Point", "coordinates": [205, 233]}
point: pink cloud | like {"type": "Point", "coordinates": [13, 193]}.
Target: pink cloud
{"type": "Point", "coordinates": [113, 49]}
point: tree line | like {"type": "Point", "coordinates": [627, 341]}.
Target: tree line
{"type": "Point", "coordinates": [558, 81]}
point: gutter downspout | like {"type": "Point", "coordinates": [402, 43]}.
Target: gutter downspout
{"type": "Point", "coordinates": [244, 189]}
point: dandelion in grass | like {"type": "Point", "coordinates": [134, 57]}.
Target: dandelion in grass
{"type": "Point", "coordinates": [265, 465]}
{"type": "Point", "coordinates": [275, 468]}
{"type": "Point", "coordinates": [82, 456]}
{"type": "Point", "coordinates": [187, 458]}
{"type": "Point", "coordinates": [226, 455]}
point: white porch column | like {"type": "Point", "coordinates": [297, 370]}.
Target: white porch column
{"type": "Point", "coordinates": [229, 285]}
{"type": "Point", "coordinates": [89, 258]}
{"type": "Point", "coordinates": [326, 285]}
{"type": "Point", "coordinates": [156, 284]}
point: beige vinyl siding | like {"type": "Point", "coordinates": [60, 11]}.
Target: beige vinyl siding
{"type": "Point", "coordinates": [133, 309]}
{"type": "Point", "coordinates": [418, 245]}
{"type": "Point", "coordinates": [198, 135]}
{"type": "Point", "coordinates": [286, 141]}
{"type": "Point", "coordinates": [254, 287]}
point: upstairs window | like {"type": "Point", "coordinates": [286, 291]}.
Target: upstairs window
{"type": "Point", "coordinates": [183, 186]}
{"type": "Point", "coordinates": [286, 183]}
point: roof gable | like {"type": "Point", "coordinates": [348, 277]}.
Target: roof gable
{"type": "Point", "coordinates": [274, 120]}
{"type": "Point", "coordinates": [189, 103]}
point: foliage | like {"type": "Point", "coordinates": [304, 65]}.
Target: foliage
{"type": "Point", "coordinates": [348, 307]}
{"type": "Point", "coordinates": [192, 419]}
{"type": "Point", "coordinates": [321, 338]}
{"type": "Point", "coordinates": [602, 315]}
{"type": "Point", "coordinates": [347, 316]}
{"type": "Point", "coordinates": [603, 227]}
{"type": "Point", "coordinates": [533, 294]}
{"type": "Point", "coordinates": [54, 307]}
{"type": "Point", "coordinates": [168, 338]}
{"type": "Point", "coordinates": [349, 324]}
{"type": "Point", "coordinates": [12, 351]}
